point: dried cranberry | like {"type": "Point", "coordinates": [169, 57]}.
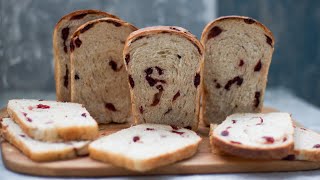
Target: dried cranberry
{"type": "Point", "coordinates": [22, 135]}
{"type": "Point", "coordinates": [234, 121]}
{"type": "Point", "coordinates": [150, 129]}
{"type": "Point", "coordinates": [257, 95]}
{"type": "Point", "coordinates": [110, 106]}
{"type": "Point", "coordinates": [160, 71]}
{"type": "Point", "coordinates": [151, 81]}
{"type": "Point", "coordinates": [215, 31]}
{"type": "Point", "coordinates": [258, 66]}
{"type": "Point", "coordinates": [249, 21]}
{"type": "Point", "coordinates": [136, 138]}
{"type": "Point", "coordinates": [113, 65]}
{"type": "Point", "coordinates": [261, 121]}
{"type": "Point", "coordinates": [76, 77]}
{"type": "Point", "coordinates": [64, 35]}
{"type": "Point", "coordinates": [237, 79]}
{"type": "Point", "coordinates": [235, 142]}
{"type": "Point", "coordinates": [225, 133]}
{"type": "Point", "coordinates": [241, 63]}
{"type": "Point", "coordinates": [188, 127]}
{"type": "Point", "coordinates": [25, 114]}
{"type": "Point", "coordinates": [131, 81]}
{"type": "Point", "coordinates": [148, 71]}
{"type": "Point", "coordinates": [284, 139]}
{"type": "Point", "coordinates": [269, 40]}
{"type": "Point", "coordinates": [127, 58]}
{"type": "Point", "coordinates": [77, 42]}
{"type": "Point", "coordinates": [84, 115]}
{"type": "Point", "coordinates": [218, 85]}
{"type": "Point", "coordinates": [176, 96]}
{"type": "Point", "coordinates": [316, 146]}
{"type": "Point", "coordinates": [178, 56]}
{"type": "Point", "coordinates": [177, 132]}
{"type": "Point", "coordinates": [43, 106]}
{"type": "Point", "coordinates": [196, 81]}
{"type": "Point", "coordinates": [269, 140]}
{"type": "Point", "coordinates": [86, 28]}
{"type": "Point", "coordinates": [30, 108]}
{"type": "Point", "coordinates": [65, 77]}
{"type": "Point", "coordinates": [174, 127]}
{"type": "Point", "coordinates": [29, 119]}
{"type": "Point", "coordinates": [141, 109]}
{"type": "Point", "coordinates": [159, 87]}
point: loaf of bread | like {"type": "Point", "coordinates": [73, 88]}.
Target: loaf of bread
{"type": "Point", "coordinates": [238, 52]}
{"type": "Point", "coordinates": [164, 64]}
{"type": "Point", "coordinates": [306, 145]}
{"type": "Point", "coordinates": [99, 78]}
{"type": "Point", "coordinates": [40, 150]}
{"type": "Point", "coordinates": [61, 40]}
{"type": "Point", "coordinates": [254, 136]}
{"type": "Point", "coordinates": [53, 121]}
{"type": "Point", "coordinates": [145, 146]}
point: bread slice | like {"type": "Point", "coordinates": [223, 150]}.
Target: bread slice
{"type": "Point", "coordinates": [165, 71]}
{"type": "Point", "coordinates": [238, 52]}
{"type": "Point", "coordinates": [255, 136]}
{"type": "Point", "coordinates": [145, 146]}
{"type": "Point", "coordinates": [53, 121]}
{"type": "Point", "coordinates": [39, 150]}
{"type": "Point", "coordinates": [306, 145]}
{"type": "Point", "coordinates": [99, 78]}
{"type": "Point", "coordinates": [61, 40]}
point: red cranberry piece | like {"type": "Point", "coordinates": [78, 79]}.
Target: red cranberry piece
{"type": "Point", "coordinates": [225, 133]}
{"type": "Point", "coordinates": [241, 63]}
{"type": "Point", "coordinates": [25, 114]}
{"type": "Point", "coordinates": [178, 56]}
{"type": "Point", "coordinates": [150, 129]}
{"type": "Point", "coordinates": [136, 138]}
{"type": "Point", "coordinates": [77, 42]}
{"type": "Point", "coordinates": [84, 115]}
{"type": "Point", "coordinates": [160, 71]}
{"type": "Point", "coordinates": [177, 132]}
{"type": "Point", "coordinates": [237, 79]}
{"type": "Point", "coordinates": [215, 31]}
{"type": "Point", "coordinates": [284, 139]}
{"type": "Point", "coordinates": [174, 127]}
{"type": "Point", "coordinates": [188, 127]}
{"type": "Point", "coordinates": [218, 85]}
{"type": "Point", "coordinates": [65, 78]}
{"type": "Point", "coordinates": [249, 21]}
{"type": "Point", "coordinates": [196, 81]}
{"type": "Point", "coordinates": [257, 95]}
{"type": "Point", "coordinates": [269, 140]}
{"type": "Point", "coordinates": [235, 142]}
{"type": "Point", "coordinates": [76, 77]}
{"type": "Point", "coordinates": [110, 106]}
{"type": "Point", "coordinates": [234, 121]}
{"type": "Point", "coordinates": [269, 40]}
{"type": "Point", "coordinates": [86, 28]}
{"type": "Point", "coordinates": [141, 109]}
{"type": "Point", "coordinates": [131, 81]}
{"type": "Point", "coordinates": [29, 119]}
{"type": "Point", "coordinates": [127, 58]}
{"type": "Point", "coordinates": [176, 96]}
{"type": "Point", "coordinates": [43, 106]}
{"type": "Point", "coordinates": [316, 146]}
{"type": "Point", "coordinates": [258, 66]}
{"type": "Point", "coordinates": [113, 65]}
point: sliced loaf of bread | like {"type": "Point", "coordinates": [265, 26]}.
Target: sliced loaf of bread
{"type": "Point", "coordinates": [61, 40]}
{"type": "Point", "coordinates": [238, 53]}
{"type": "Point", "coordinates": [145, 146]}
{"type": "Point", "coordinates": [99, 78]}
{"type": "Point", "coordinates": [39, 150]}
{"type": "Point", "coordinates": [255, 136]}
{"type": "Point", "coordinates": [53, 121]}
{"type": "Point", "coordinates": [306, 145]}
{"type": "Point", "coordinates": [164, 64]}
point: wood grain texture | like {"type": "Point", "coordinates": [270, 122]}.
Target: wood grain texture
{"type": "Point", "coordinates": [203, 162]}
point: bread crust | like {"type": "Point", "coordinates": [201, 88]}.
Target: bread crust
{"type": "Point", "coordinates": [309, 155]}
{"type": "Point", "coordinates": [144, 165]}
{"type": "Point", "coordinates": [249, 152]}
{"type": "Point", "coordinates": [173, 30]}
{"type": "Point", "coordinates": [65, 134]}
{"type": "Point", "coordinates": [204, 40]}
{"type": "Point", "coordinates": [59, 93]}
{"type": "Point", "coordinates": [52, 155]}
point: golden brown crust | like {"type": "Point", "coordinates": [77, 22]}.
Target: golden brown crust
{"type": "Point", "coordinates": [71, 16]}
{"type": "Point", "coordinates": [309, 155]}
{"type": "Point", "coordinates": [249, 152]}
{"type": "Point", "coordinates": [163, 29]}
{"type": "Point", "coordinates": [65, 134]}
{"type": "Point", "coordinates": [43, 156]}
{"type": "Point", "coordinates": [209, 26]}
{"type": "Point", "coordinates": [143, 165]}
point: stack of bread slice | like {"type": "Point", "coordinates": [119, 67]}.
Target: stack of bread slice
{"type": "Point", "coordinates": [49, 130]}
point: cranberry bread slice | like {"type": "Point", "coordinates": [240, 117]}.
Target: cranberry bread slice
{"type": "Point", "coordinates": [53, 121]}
{"type": "Point", "coordinates": [164, 64]}
{"type": "Point", "coordinates": [255, 136]}
{"type": "Point", "coordinates": [306, 145]}
{"type": "Point", "coordinates": [61, 40]}
{"type": "Point", "coordinates": [99, 78]}
{"type": "Point", "coordinates": [146, 146]}
{"type": "Point", "coordinates": [39, 150]}
{"type": "Point", "coordinates": [238, 52]}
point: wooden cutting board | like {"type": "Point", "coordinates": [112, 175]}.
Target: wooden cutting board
{"type": "Point", "coordinates": [204, 162]}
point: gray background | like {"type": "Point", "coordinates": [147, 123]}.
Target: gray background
{"type": "Point", "coordinates": [26, 35]}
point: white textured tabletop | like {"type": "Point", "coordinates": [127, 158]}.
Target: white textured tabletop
{"type": "Point", "coordinates": [283, 100]}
